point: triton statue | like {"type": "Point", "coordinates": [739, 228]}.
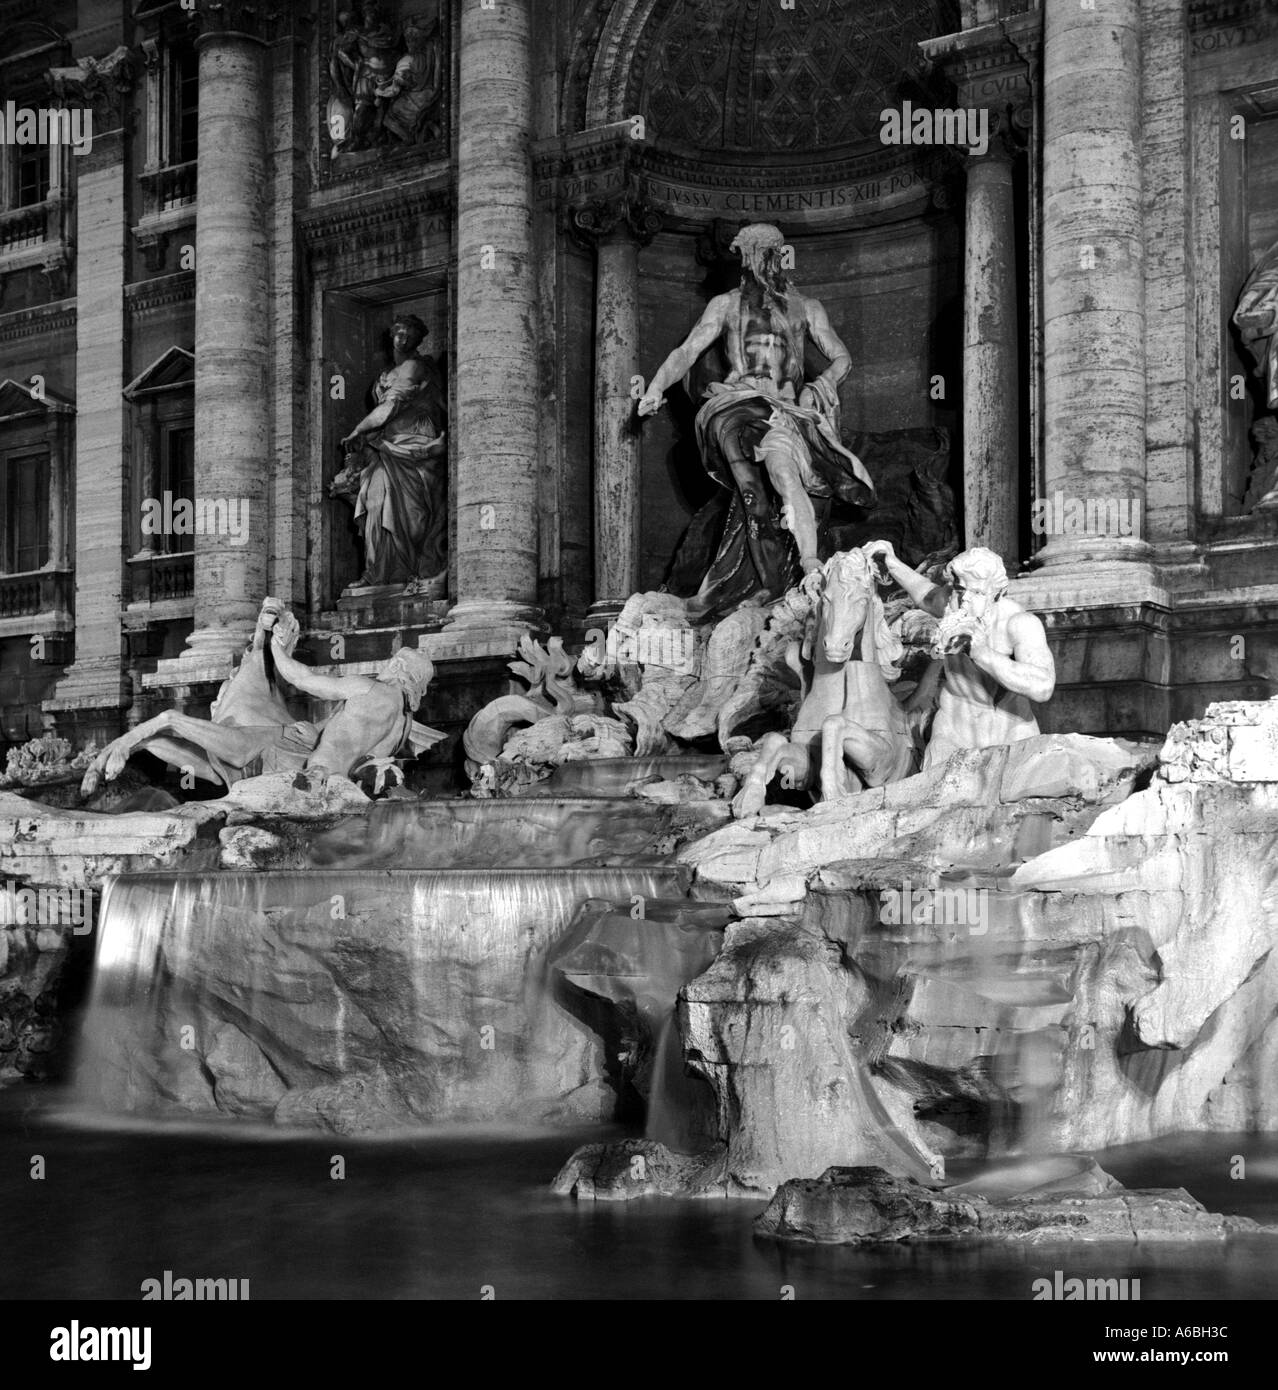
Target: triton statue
{"type": "Point", "coordinates": [996, 656]}
{"type": "Point", "coordinates": [252, 731]}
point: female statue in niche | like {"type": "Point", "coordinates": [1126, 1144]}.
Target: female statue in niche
{"type": "Point", "coordinates": [395, 471]}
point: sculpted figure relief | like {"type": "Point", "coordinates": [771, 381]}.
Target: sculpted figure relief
{"type": "Point", "coordinates": [385, 88]}
{"type": "Point", "coordinates": [996, 658]}
{"type": "Point", "coordinates": [764, 433]}
{"type": "Point", "coordinates": [252, 731]}
{"type": "Point", "coordinates": [395, 473]}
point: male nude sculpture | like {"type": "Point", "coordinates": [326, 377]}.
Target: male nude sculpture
{"type": "Point", "coordinates": [765, 433]}
{"type": "Point", "coordinates": [997, 661]}
{"type": "Point", "coordinates": [252, 731]}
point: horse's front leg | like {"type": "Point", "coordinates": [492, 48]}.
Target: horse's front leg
{"type": "Point", "coordinates": [111, 760]}
{"type": "Point", "coordinates": [775, 753]}
{"type": "Point", "coordinates": [837, 779]}
{"type": "Point", "coordinates": [229, 744]}
{"type": "Point", "coordinates": [854, 757]}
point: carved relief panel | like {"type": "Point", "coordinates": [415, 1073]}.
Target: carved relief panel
{"type": "Point", "coordinates": [383, 82]}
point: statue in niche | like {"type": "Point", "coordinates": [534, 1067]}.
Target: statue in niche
{"type": "Point", "coordinates": [386, 83]}
{"type": "Point", "coordinates": [764, 433]}
{"type": "Point", "coordinates": [395, 472]}
{"type": "Point", "coordinates": [1256, 318]}
{"type": "Point", "coordinates": [994, 653]}
{"type": "Point", "coordinates": [252, 731]}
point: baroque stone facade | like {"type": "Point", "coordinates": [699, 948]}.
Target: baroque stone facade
{"type": "Point", "coordinates": [1069, 296]}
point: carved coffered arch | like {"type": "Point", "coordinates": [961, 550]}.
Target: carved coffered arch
{"type": "Point", "coordinates": [747, 75]}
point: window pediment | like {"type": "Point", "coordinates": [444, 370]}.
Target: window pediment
{"type": "Point", "coordinates": [173, 370]}
{"type": "Point", "coordinates": [18, 401]}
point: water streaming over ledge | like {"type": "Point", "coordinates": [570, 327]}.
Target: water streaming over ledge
{"type": "Point", "coordinates": [360, 997]}
{"type": "Point", "coordinates": [372, 997]}
{"type": "Point", "coordinates": [533, 832]}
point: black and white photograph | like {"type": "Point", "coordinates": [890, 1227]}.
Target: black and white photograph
{"type": "Point", "coordinates": [638, 662]}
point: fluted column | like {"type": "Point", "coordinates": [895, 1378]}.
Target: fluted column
{"type": "Point", "coordinates": [495, 434]}
{"type": "Point", "coordinates": [618, 228]}
{"type": "Point", "coordinates": [1094, 387]}
{"type": "Point", "coordinates": [232, 339]}
{"type": "Point", "coordinates": [991, 387]}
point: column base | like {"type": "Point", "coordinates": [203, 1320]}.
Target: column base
{"type": "Point", "coordinates": [1091, 583]}
{"type": "Point", "coordinates": [98, 684]}
{"type": "Point", "coordinates": [1069, 550]}
{"type": "Point", "coordinates": [211, 655]}
{"type": "Point", "coordinates": [483, 628]}
{"type": "Point", "coordinates": [605, 610]}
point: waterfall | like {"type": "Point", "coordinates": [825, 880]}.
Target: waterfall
{"type": "Point", "coordinates": [401, 995]}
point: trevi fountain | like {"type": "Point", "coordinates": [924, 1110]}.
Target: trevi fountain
{"type": "Point", "coordinates": [804, 894]}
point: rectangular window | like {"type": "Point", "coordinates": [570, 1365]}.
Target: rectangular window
{"type": "Point", "coordinates": [177, 477]}
{"type": "Point", "coordinates": [31, 175]}
{"type": "Point", "coordinates": [26, 511]}
{"type": "Point", "coordinates": [184, 105]}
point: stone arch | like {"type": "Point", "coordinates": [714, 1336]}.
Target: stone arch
{"type": "Point", "coordinates": [767, 87]}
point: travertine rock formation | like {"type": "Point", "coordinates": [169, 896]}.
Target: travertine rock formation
{"type": "Point", "coordinates": [865, 1205]}
{"type": "Point", "coordinates": [1061, 944]}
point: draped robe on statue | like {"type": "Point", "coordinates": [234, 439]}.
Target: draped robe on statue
{"type": "Point", "coordinates": [756, 557]}
{"type": "Point", "coordinates": [402, 506]}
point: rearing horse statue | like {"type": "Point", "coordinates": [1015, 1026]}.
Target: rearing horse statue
{"type": "Point", "coordinates": [848, 711]}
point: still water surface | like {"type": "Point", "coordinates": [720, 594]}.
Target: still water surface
{"type": "Point", "coordinates": [441, 1215]}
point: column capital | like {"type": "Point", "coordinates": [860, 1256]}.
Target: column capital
{"type": "Point", "coordinates": [236, 19]}
{"type": "Point", "coordinates": [1008, 136]}
{"type": "Point", "coordinates": [992, 64]}
{"type": "Point", "coordinates": [626, 213]}
{"type": "Point", "coordinates": [102, 84]}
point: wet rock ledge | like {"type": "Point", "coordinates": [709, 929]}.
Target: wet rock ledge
{"type": "Point", "coordinates": [861, 1206]}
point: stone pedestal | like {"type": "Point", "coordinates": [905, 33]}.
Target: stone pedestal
{"type": "Point", "coordinates": [495, 434]}
{"type": "Point", "coordinates": [232, 338]}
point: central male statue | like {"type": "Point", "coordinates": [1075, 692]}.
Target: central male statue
{"type": "Point", "coordinates": [763, 432]}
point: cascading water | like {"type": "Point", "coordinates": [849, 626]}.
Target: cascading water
{"type": "Point", "coordinates": [361, 997]}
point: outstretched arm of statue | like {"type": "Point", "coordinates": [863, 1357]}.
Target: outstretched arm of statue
{"type": "Point", "coordinates": [1030, 670]}
{"type": "Point", "coordinates": [311, 682]}
{"type": "Point", "coordinates": [931, 598]}
{"type": "Point", "coordinates": [706, 332]}
{"type": "Point", "coordinates": [373, 421]}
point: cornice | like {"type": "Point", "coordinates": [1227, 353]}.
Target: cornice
{"type": "Point", "coordinates": [372, 218]}
{"type": "Point", "coordinates": [41, 320]}
{"type": "Point", "coordinates": [1221, 14]}
{"type": "Point", "coordinates": [147, 296]}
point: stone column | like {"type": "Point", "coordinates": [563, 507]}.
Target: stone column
{"type": "Point", "coordinates": [495, 431]}
{"type": "Point", "coordinates": [991, 386]}
{"type": "Point", "coordinates": [990, 61]}
{"type": "Point", "coordinates": [94, 687]}
{"type": "Point", "coordinates": [232, 331]}
{"type": "Point", "coordinates": [618, 228]}
{"type": "Point", "coordinates": [1093, 275]}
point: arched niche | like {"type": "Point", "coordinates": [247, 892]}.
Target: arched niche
{"type": "Point", "coordinates": [754, 112]}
